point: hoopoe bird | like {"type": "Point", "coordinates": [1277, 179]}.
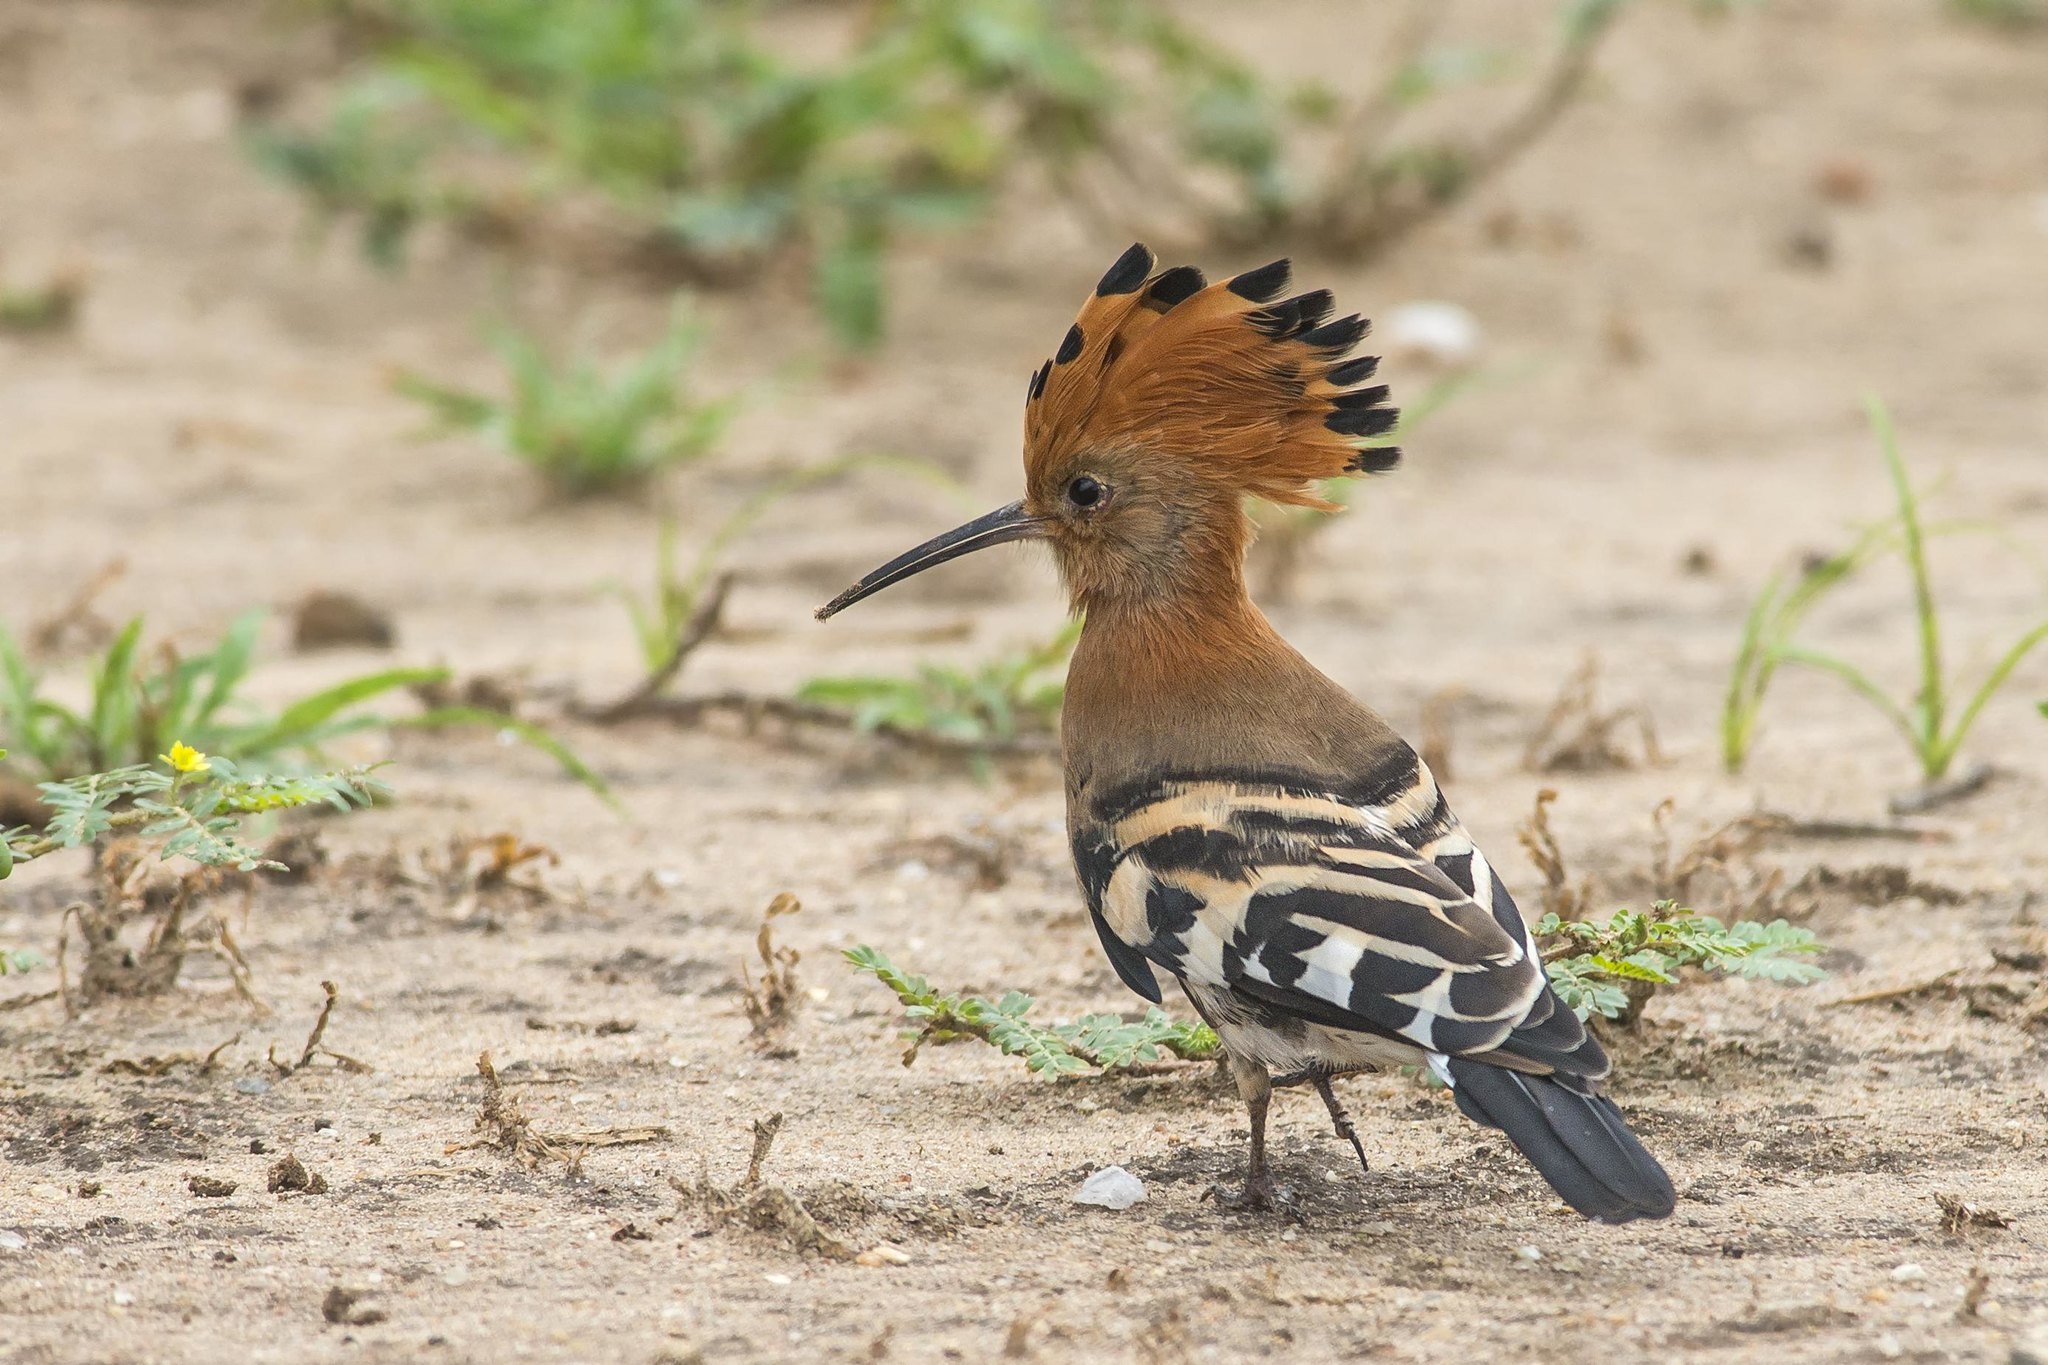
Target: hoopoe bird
{"type": "Point", "coordinates": [1238, 820]}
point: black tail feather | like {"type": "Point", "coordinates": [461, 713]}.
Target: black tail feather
{"type": "Point", "coordinates": [1577, 1140]}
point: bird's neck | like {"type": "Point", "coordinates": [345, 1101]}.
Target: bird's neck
{"type": "Point", "coordinates": [1172, 645]}
{"type": "Point", "coordinates": [1200, 680]}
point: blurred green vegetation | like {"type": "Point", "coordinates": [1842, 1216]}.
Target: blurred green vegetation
{"type": "Point", "coordinates": [725, 151]}
{"type": "Point", "coordinates": [588, 431]}
{"type": "Point", "coordinates": [990, 705]}
{"type": "Point", "coordinates": [140, 699]}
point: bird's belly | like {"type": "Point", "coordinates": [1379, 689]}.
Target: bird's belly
{"type": "Point", "coordinates": [1285, 1044]}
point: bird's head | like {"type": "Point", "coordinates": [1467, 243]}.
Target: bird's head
{"type": "Point", "coordinates": [1169, 401]}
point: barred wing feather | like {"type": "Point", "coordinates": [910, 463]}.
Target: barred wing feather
{"type": "Point", "coordinates": [1320, 908]}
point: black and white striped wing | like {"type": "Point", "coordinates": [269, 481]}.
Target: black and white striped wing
{"type": "Point", "coordinates": [1319, 907]}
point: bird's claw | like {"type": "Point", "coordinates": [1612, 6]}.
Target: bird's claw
{"type": "Point", "coordinates": [1257, 1195]}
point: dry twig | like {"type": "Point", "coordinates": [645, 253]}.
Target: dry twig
{"type": "Point", "coordinates": [705, 619]}
{"type": "Point", "coordinates": [764, 1139]}
{"type": "Point", "coordinates": [1560, 897]}
{"type": "Point", "coordinates": [763, 1207]}
{"type": "Point", "coordinates": [771, 1006]}
{"type": "Point", "coordinates": [509, 1130]}
{"type": "Point", "coordinates": [1958, 1215]}
{"type": "Point", "coordinates": [1578, 736]}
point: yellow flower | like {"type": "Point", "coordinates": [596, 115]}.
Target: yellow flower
{"type": "Point", "coordinates": [186, 759]}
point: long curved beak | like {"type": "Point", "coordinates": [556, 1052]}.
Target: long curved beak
{"type": "Point", "coordinates": [999, 527]}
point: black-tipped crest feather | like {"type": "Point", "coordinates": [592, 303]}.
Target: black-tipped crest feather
{"type": "Point", "coordinates": [1263, 284]}
{"type": "Point", "coordinates": [1128, 273]}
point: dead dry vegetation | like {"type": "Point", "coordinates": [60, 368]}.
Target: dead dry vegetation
{"type": "Point", "coordinates": [533, 1056]}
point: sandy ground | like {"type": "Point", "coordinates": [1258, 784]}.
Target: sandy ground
{"type": "Point", "coordinates": [1669, 380]}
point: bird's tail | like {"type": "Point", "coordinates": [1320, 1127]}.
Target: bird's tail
{"type": "Point", "coordinates": [1576, 1140]}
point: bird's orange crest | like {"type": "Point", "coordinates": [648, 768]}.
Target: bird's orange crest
{"type": "Point", "coordinates": [1255, 394]}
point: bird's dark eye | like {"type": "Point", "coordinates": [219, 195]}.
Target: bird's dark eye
{"type": "Point", "coordinates": [1086, 492]}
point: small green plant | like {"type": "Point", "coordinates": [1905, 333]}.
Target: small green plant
{"type": "Point", "coordinates": [141, 699]}
{"type": "Point", "coordinates": [367, 164]}
{"type": "Point", "coordinates": [2008, 14]}
{"type": "Point", "coordinates": [186, 804]}
{"type": "Point", "coordinates": [714, 143]}
{"type": "Point", "coordinates": [1767, 631]}
{"type": "Point", "coordinates": [51, 306]}
{"type": "Point", "coordinates": [1612, 968]}
{"type": "Point", "coordinates": [665, 615]}
{"type": "Point", "coordinates": [1930, 722]}
{"type": "Point", "coordinates": [586, 430]}
{"type": "Point", "coordinates": [1094, 1042]}
{"type": "Point", "coordinates": [995, 704]}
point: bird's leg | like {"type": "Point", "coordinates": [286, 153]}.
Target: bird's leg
{"type": "Point", "coordinates": [1341, 1121]}
{"type": "Point", "coordinates": [1259, 1193]}
{"type": "Point", "coordinates": [1258, 1177]}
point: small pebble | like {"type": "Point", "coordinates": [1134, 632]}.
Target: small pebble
{"type": "Point", "coordinates": [884, 1254]}
{"type": "Point", "coordinates": [252, 1085]}
{"type": "Point", "coordinates": [455, 1276]}
{"type": "Point", "coordinates": [13, 1241]}
{"type": "Point", "coordinates": [1909, 1273]}
{"type": "Point", "coordinates": [1530, 1255]}
{"type": "Point", "coordinates": [1112, 1187]}
{"type": "Point", "coordinates": [776, 1279]}
{"type": "Point", "coordinates": [45, 1192]}
{"type": "Point", "coordinates": [1440, 333]}
{"type": "Point", "coordinates": [124, 1298]}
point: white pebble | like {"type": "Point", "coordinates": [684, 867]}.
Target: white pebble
{"type": "Point", "coordinates": [1909, 1273]}
{"type": "Point", "coordinates": [1112, 1187]}
{"type": "Point", "coordinates": [1529, 1254]}
{"type": "Point", "coordinates": [1442, 333]}
{"type": "Point", "coordinates": [777, 1279]}
{"type": "Point", "coordinates": [13, 1241]}
{"type": "Point", "coordinates": [124, 1298]}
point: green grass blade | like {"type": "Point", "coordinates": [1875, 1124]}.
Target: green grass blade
{"type": "Point", "coordinates": [229, 666]}
{"type": "Point", "coordinates": [444, 717]}
{"type": "Point", "coordinates": [306, 722]}
{"type": "Point", "coordinates": [451, 409]}
{"type": "Point", "coordinates": [1952, 741]}
{"type": "Point", "coordinates": [1860, 683]}
{"type": "Point", "coordinates": [111, 722]}
{"type": "Point", "coordinates": [1931, 704]}
{"type": "Point", "coordinates": [1747, 679]}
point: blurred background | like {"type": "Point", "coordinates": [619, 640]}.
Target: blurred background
{"type": "Point", "coordinates": [496, 335]}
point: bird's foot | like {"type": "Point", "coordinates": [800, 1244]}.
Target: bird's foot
{"type": "Point", "coordinates": [1258, 1194]}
